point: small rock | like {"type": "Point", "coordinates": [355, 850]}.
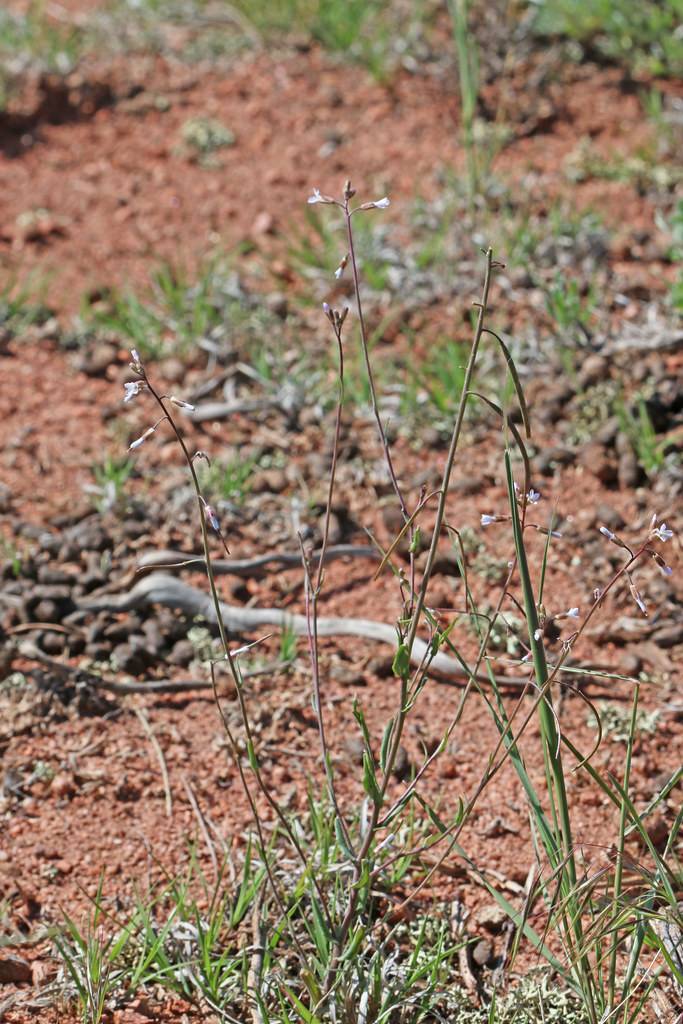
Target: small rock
{"type": "Point", "coordinates": [52, 643]}
{"type": "Point", "coordinates": [133, 528]}
{"type": "Point", "coordinates": [181, 654]}
{"type": "Point", "coordinates": [96, 361]}
{"type": "Point", "coordinates": [553, 402]}
{"type": "Point", "coordinates": [128, 658]}
{"type": "Point", "coordinates": [669, 636]}
{"type": "Point", "coordinates": [91, 580]}
{"type": "Point", "coordinates": [335, 533]}
{"type": "Point", "coordinates": [630, 664]}
{"type": "Point", "coordinates": [91, 537]}
{"type": "Point", "coordinates": [623, 444]}
{"type": "Point", "coordinates": [446, 564]}
{"type": "Point", "coordinates": [549, 459]}
{"type": "Point", "coordinates": [5, 498]}
{"type": "Point", "coordinates": [269, 481]}
{"type": "Point", "coordinates": [607, 516]}
{"type": "Point", "coordinates": [154, 640]}
{"type": "Point", "coordinates": [658, 831]}
{"type": "Point", "coordinates": [402, 765]}
{"type": "Point", "coordinates": [380, 665]}
{"type": "Point", "coordinates": [354, 748]}
{"type": "Point", "coordinates": [492, 917]}
{"type": "Point", "coordinates": [482, 952]}
{"type": "Point", "coordinates": [595, 459]}
{"type": "Point", "coordinates": [430, 437]}
{"type": "Point", "coordinates": [608, 432]}
{"type": "Point", "coordinates": [14, 970]}
{"type": "Point", "coordinates": [173, 371]}
{"type": "Point", "coordinates": [278, 304]}
{"type": "Point", "coordinates": [41, 972]}
{"type": "Point", "coordinates": [69, 552]}
{"type": "Point", "coordinates": [62, 785]}
{"type": "Point", "coordinates": [346, 675]}
{"type": "Point", "coordinates": [56, 577]}
{"type": "Point", "coordinates": [117, 632]}
{"type": "Point", "coordinates": [264, 224]}
{"type": "Point", "coordinates": [467, 485]}
{"type": "Point", "coordinates": [593, 369]}
{"type": "Point", "coordinates": [97, 652]}
{"type": "Point", "coordinates": [629, 472]}
{"type": "Point", "coordinates": [47, 611]}
{"type": "Point", "coordinates": [50, 592]}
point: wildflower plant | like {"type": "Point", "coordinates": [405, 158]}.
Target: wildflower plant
{"type": "Point", "coordinates": [334, 925]}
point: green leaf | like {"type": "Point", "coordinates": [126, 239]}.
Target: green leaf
{"type": "Point", "coordinates": [306, 1015]}
{"type": "Point", "coordinates": [434, 817]}
{"type": "Point", "coordinates": [401, 663]}
{"type": "Point", "coordinates": [369, 781]}
{"type": "Point", "coordinates": [386, 742]}
{"type": "Point", "coordinates": [251, 755]}
{"type": "Point", "coordinates": [360, 718]}
{"type": "Point", "coordinates": [341, 839]}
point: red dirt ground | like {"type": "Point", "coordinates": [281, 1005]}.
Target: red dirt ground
{"type": "Point", "coordinates": [120, 195]}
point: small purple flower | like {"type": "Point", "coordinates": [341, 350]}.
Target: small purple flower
{"type": "Point", "coordinates": [132, 388]}
{"type": "Point", "coordinates": [573, 613]}
{"type": "Point", "coordinates": [486, 520]}
{"type": "Point", "coordinates": [533, 497]}
{"type": "Point", "coordinates": [662, 533]}
{"type": "Point", "coordinates": [666, 570]}
{"type": "Point", "coordinates": [607, 533]}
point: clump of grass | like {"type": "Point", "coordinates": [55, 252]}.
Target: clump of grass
{"type": "Point", "coordinates": [205, 136]}
{"type": "Point", "coordinates": [111, 476]}
{"type": "Point", "coordinates": [181, 311]}
{"type": "Point", "coordinates": [567, 307]}
{"type": "Point", "coordinates": [644, 36]}
{"type": "Point", "coordinates": [636, 424]}
{"type": "Point", "coordinates": [229, 481]}
{"type": "Point", "coordinates": [616, 722]}
{"type": "Point", "coordinates": [364, 31]}
{"type": "Point", "coordinates": [34, 41]}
